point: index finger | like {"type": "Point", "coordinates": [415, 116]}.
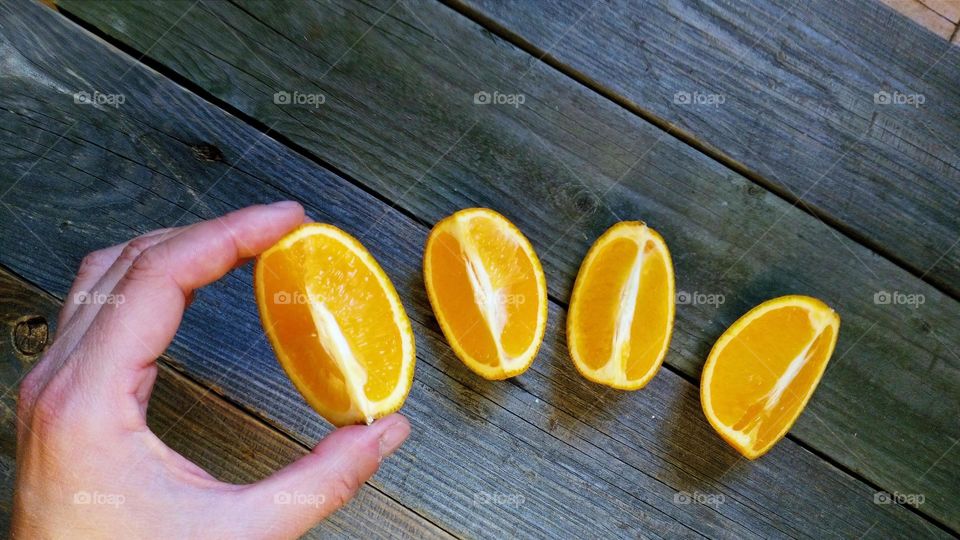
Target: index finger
{"type": "Point", "coordinates": [152, 295]}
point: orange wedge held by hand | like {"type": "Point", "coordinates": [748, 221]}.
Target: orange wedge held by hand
{"type": "Point", "coordinates": [764, 368]}
{"type": "Point", "coordinates": [622, 308]}
{"type": "Point", "coordinates": [336, 324]}
{"type": "Point", "coordinates": [487, 290]}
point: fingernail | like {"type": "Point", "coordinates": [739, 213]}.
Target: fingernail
{"type": "Point", "coordinates": [284, 205]}
{"type": "Point", "coordinates": [394, 433]}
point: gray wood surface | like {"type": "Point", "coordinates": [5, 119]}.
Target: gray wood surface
{"type": "Point", "coordinates": [797, 80]}
{"type": "Point", "coordinates": [399, 120]}
{"type": "Point", "coordinates": [547, 454]}
{"type": "Point", "coordinates": [227, 442]}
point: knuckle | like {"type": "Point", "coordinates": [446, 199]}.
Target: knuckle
{"type": "Point", "coordinates": [46, 411]}
{"type": "Point", "coordinates": [343, 488]}
{"type": "Point", "coordinates": [148, 263]}
{"type": "Point", "coordinates": [94, 262]}
{"type": "Point", "coordinates": [59, 406]}
{"type": "Point", "coordinates": [34, 382]}
{"type": "Point", "coordinates": [135, 248]}
{"type": "Point", "coordinates": [30, 380]}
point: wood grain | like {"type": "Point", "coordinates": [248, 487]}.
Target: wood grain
{"type": "Point", "coordinates": [399, 117]}
{"type": "Point", "coordinates": [228, 443]}
{"type": "Point", "coordinates": [546, 454]}
{"type": "Point", "coordinates": [799, 81]}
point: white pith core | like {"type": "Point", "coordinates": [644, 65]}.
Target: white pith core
{"type": "Point", "coordinates": [335, 344]}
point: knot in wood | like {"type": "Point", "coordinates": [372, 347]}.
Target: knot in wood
{"type": "Point", "coordinates": [30, 335]}
{"type": "Point", "coordinates": [207, 152]}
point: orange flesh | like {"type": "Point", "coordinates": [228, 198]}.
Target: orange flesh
{"type": "Point", "coordinates": [601, 295]}
{"type": "Point", "coordinates": [456, 300]}
{"type": "Point", "coordinates": [651, 317]}
{"type": "Point", "coordinates": [621, 316]}
{"type": "Point", "coordinates": [512, 278]}
{"type": "Point", "coordinates": [487, 291]}
{"type": "Point", "coordinates": [322, 270]}
{"type": "Point", "coordinates": [781, 347]}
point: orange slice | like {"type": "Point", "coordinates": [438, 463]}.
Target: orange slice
{"type": "Point", "coordinates": [336, 324]}
{"type": "Point", "coordinates": [487, 290]}
{"type": "Point", "coordinates": [764, 368]}
{"type": "Point", "coordinates": [622, 308]}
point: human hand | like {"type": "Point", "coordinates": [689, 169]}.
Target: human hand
{"type": "Point", "coordinates": [82, 409]}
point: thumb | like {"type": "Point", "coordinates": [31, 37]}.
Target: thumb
{"type": "Point", "coordinates": [297, 497]}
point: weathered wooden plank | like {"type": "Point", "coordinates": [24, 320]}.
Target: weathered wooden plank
{"type": "Point", "coordinates": [799, 81]}
{"type": "Point", "coordinates": [399, 115]}
{"type": "Point", "coordinates": [515, 457]}
{"type": "Point", "coordinates": [228, 443]}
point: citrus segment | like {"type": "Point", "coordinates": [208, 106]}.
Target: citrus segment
{"type": "Point", "coordinates": [764, 368]}
{"type": "Point", "coordinates": [622, 308]}
{"type": "Point", "coordinates": [336, 324]}
{"type": "Point", "coordinates": [487, 290]}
